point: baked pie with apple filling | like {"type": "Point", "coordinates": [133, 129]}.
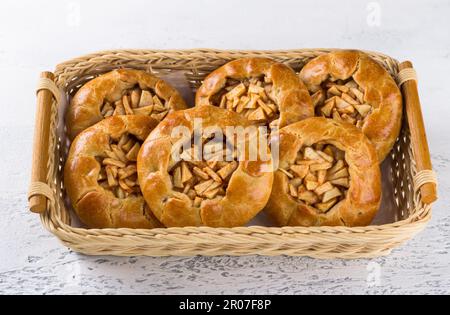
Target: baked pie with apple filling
{"type": "Point", "coordinates": [209, 182]}
{"type": "Point", "coordinates": [100, 174]}
{"type": "Point", "coordinates": [350, 86]}
{"type": "Point", "coordinates": [262, 90]}
{"type": "Point", "coordinates": [328, 175]}
{"type": "Point", "coordinates": [121, 92]}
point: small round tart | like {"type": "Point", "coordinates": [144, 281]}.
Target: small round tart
{"type": "Point", "coordinates": [352, 87]}
{"type": "Point", "coordinates": [209, 182]}
{"type": "Point", "coordinates": [261, 89]}
{"type": "Point", "coordinates": [121, 92]}
{"type": "Point", "coordinates": [328, 175]}
{"type": "Point", "coordinates": [100, 174]}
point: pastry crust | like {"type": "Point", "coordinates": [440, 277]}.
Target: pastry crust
{"type": "Point", "coordinates": [291, 96]}
{"type": "Point", "coordinates": [382, 125]}
{"type": "Point", "coordinates": [95, 206]}
{"type": "Point", "coordinates": [364, 193]}
{"type": "Point", "coordinates": [248, 188]}
{"type": "Point", "coordinates": [85, 106]}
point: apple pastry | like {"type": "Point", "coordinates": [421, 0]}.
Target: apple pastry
{"type": "Point", "coordinates": [121, 92]}
{"type": "Point", "coordinates": [260, 89]}
{"type": "Point", "coordinates": [350, 86]}
{"type": "Point", "coordinates": [328, 175]}
{"type": "Point", "coordinates": [209, 180]}
{"type": "Point", "coordinates": [100, 174]}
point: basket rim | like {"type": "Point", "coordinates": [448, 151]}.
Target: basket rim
{"type": "Point", "coordinates": [183, 52]}
{"type": "Point", "coordinates": [253, 229]}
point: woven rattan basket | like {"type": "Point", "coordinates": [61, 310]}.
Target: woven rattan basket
{"type": "Point", "coordinates": [410, 183]}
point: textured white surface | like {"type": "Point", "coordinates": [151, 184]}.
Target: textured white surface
{"type": "Point", "coordinates": [36, 35]}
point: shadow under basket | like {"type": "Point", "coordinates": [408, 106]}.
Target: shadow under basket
{"type": "Point", "coordinates": [409, 185]}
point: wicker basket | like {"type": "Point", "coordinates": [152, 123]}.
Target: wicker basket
{"type": "Point", "coordinates": [407, 170]}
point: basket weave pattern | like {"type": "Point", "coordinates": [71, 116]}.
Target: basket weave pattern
{"type": "Point", "coordinates": [319, 242]}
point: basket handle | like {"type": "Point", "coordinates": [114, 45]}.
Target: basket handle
{"type": "Point", "coordinates": [39, 191]}
{"type": "Point", "coordinates": [425, 179]}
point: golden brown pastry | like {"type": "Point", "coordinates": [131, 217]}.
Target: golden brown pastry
{"type": "Point", "coordinates": [328, 175]}
{"type": "Point", "coordinates": [100, 173]}
{"type": "Point", "coordinates": [121, 92]}
{"type": "Point", "coordinates": [348, 85]}
{"type": "Point", "coordinates": [261, 89]}
{"type": "Point", "coordinates": [210, 186]}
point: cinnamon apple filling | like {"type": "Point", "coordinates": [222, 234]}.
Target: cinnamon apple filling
{"type": "Point", "coordinates": [204, 176]}
{"type": "Point", "coordinates": [254, 98]}
{"type": "Point", "coordinates": [118, 172]}
{"type": "Point", "coordinates": [342, 100]}
{"type": "Point", "coordinates": [319, 177]}
{"type": "Point", "coordinates": [136, 101]}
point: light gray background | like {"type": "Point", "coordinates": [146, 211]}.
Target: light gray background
{"type": "Point", "coordinates": [36, 35]}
